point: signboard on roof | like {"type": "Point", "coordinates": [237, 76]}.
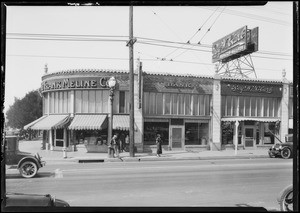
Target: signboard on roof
{"type": "Point", "coordinates": [235, 45]}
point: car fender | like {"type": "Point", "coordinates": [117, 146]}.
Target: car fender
{"type": "Point", "coordinates": [29, 158]}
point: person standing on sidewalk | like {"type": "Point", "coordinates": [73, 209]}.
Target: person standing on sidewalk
{"type": "Point", "coordinates": [111, 146]}
{"type": "Point", "coordinates": [158, 145]}
{"type": "Point", "coordinates": [116, 145]}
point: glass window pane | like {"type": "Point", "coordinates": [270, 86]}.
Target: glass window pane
{"type": "Point", "coordinates": [196, 133]}
{"type": "Point", "coordinates": [85, 101]}
{"type": "Point", "coordinates": [78, 101]}
{"type": "Point", "coordinates": [105, 100]}
{"type": "Point", "coordinates": [159, 101]}
{"type": "Point", "coordinates": [258, 107]}
{"type": "Point", "coordinates": [99, 107]}
{"type": "Point", "coordinates": [271, 107]}
{"type": "Point", "coordinates": [174, 104]}
{"type": "Point", "coordinates": [56, 102]}
{"type": "Point", "coordinates": [187, 103]}
{"type": "Point", "coordinates": [195, 105]}
{"type": "Point", "coordinates": [228, 103]}
{"type": "Point", "coordinates": [167, 99]}
{"type": "Point", "coordinates": [276, 107]}
{"type": "Point", "coordinates": [247, 106]}
{"type": "Point", "coordinates": [46, 99]}
{"type": "Point", "coordinates": [180, 104]}
{"type": "Point", "coordinates": [150, 130]}
{"type": "Point", "coordinates": [152, 104]}
{"type": "Point", "coordinates": [201, 105]}
{"type": "Point", "coordinates": [146, 103]}
{"type": "Point", "coordinates": [253, 106]}
{"type": "Point", "coordinates": [92, 97]}
{"type": "Point", "coordinates": [266, 107]}
{"type": "Point", "coordinates": [223, 104]}
{"type": "Point", "coordinates": [122, 102]}
{"type": "Point", "coordinates": [234, 106]}
{"type": "Point", "coordinates": [207, 105]}
{"type": "Point", "coordinates": [241, 106]}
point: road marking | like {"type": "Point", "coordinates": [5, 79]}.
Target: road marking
{"type": "Point", "coordinates": [58, 173]}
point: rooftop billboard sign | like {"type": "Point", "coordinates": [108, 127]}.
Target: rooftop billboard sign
{"type": "Point", "coordinates": [235, 45]}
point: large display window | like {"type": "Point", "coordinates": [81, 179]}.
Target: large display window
{"type": "Point", "coordinates": [153, 128]}
{"type": "Point", "coordinates": [196, 133]}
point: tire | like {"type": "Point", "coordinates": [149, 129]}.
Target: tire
{"type": "Point", "coordinates": [286, 153]}
{"type": "Point", "coordinates": [286, 199]}
{"type": "Point", "coordinates": [28, 169]}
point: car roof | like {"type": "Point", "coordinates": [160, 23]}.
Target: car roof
{"type": "Point", "coordinates": [19, 199]}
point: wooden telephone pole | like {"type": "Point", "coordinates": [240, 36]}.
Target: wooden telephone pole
{"type": "Point", "coordinates": [131, 84]}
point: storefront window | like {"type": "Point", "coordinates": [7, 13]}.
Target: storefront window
{"type": "Point", "coordinates": [227, 133]}
{"type": "Point", "coordinates": [152, 104]}
{"type": "Point", "coordinates": [159, 103]}
{"type": "Point", "coordinates": [253, 106]}
{"type": "Point", "coordinates": [153, 128]}
{"type": "Point", "coordinates": [91, 137]}
{"type": "Point", "coordinates": [266, 106]}
{"type": "Point", "coordinates": [229, 106]}
{"type": "Point", "coordinates": [259, 107]}
{"type": "Point", "coordinates": [187, 104]}
{"type": "Point", "coordinates": [122, 102]}
{"type": "Point", "coordinates": [201, 105]}
{"type": "Point", "coordinates": [196, 133]}
{"type": "Point", "coordinates": [174, 104]}
{"type": "Point", "coordinates": [195, 105]}
{"type": "Point", "coordinates": [241, 105]}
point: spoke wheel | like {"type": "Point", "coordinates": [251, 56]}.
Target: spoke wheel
{"type": "Point", "coordinates": [28, 169]}
{"type": "Point", "coordinates": [286, 200]}
{"type": "Point", "coordinates": [286, 153]}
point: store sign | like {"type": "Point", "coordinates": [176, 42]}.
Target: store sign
{"type": "Point", "coordinates": [74, 83]}
{"type": "Point", "coordinates": [251, 89]}
{"type": "Point", "coordinates": [178, 85]}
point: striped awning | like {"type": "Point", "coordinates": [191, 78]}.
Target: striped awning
{"type": "Point", "coordinates": [51, 122]}
{"type": "Point", "coordinates": [250, 119]}
{"type": "Point", "coordinates": [121, 122]}
{"type": "Point", "coordinates": [89, 122]}
{"type": "Point", "coordinates": [33, 122]}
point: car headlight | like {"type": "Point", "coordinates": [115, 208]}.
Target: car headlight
{"type": "Point", "coordinates": [280, 147]}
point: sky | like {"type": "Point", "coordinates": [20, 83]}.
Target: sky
{"type": "Point", "coordinates": [95, 37]}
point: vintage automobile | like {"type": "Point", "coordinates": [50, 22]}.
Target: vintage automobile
{"type": "Point", "coordinates": [36, 200]}
{"type": "Point", "coordinates": [284, 150]}
{"type": "Point", "coordinates": [28, 164]}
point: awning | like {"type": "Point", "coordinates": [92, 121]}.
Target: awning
{"type": "Point", "coordinates": [51, 122]}
{"type": "Point", "coordinates": [89, 122]}
{"type": "Point", "coordinates": [121, 122]}
{"type": "Point", "coordinates": [291, 123]}
{"type": "Point", "coordinates": [33, 122]}
{"type": "Point", "coordinates": [250, 119]}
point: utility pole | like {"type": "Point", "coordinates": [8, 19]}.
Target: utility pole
{"type": "Point", "coordinates": [131, 84]}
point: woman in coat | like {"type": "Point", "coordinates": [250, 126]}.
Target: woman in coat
{"type": "Point", "coordinates": [158, 145]}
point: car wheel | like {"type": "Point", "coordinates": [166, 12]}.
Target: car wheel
{"type": "Point", "coordinates": [28, 169]}
{"type": "Point", "coordinates": [286, 199]}
{"type": "Point", "coordinates": [286, 153]}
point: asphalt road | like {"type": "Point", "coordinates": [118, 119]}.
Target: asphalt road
{"type": "Point", "coordinates": [189, 183]}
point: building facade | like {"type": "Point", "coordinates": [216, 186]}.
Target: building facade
{"type": "Point", "coordinates": [190, 112]}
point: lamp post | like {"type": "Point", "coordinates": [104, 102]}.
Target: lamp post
{"type": "Point", "coordinates": [111, 84]}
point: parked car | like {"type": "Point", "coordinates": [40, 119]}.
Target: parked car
{"type": "Point", "coordinates": [20, 199]}
{"type": "Point", "coordinates": [28, 164]}
{"type": "Point", "coordinates": [284, 150]}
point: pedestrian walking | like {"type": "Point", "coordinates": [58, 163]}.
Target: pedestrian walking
{"type": "Point", "coordinates": [122, 142]}
{"type": "Point", "coordinates": [111, 146]}
{"type": "Point", "coordinates": [117, 145]}
{"type": "Point", "coordinates": [158, 145]}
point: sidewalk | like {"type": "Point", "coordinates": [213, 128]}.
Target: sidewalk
{"type": "Point", "coordinates": [83, 156]}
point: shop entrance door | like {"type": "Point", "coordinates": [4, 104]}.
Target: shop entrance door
{"type": "Point", "coordinates": [249, 137]}
{"type": "Point", "coordinates": [176, 137]}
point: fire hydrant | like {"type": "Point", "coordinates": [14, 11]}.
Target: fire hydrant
{"type": "Point", "coordinates": [64, 149]}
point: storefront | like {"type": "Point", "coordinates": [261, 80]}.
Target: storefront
{"type": "Point", "coordinates": [189, 112]}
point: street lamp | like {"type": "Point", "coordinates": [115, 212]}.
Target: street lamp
{"type": "Point", "coordinates": [111, 84]}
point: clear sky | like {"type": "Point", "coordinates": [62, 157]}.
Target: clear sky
{"type": "Point", "coordinates": [68, 40]}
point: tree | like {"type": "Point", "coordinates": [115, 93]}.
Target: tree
{"type": "Point", "coordinates": [25, 110]}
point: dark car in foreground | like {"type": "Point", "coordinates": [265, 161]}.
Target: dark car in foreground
{"type": "Point", "coordinates": [28, 164]}
{"type": "Point", "coordinates": [282, 149]}
{"type": "Point", "coordinates": [30, 200]}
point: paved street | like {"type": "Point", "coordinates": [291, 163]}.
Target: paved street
{"type": "Point", "coordinates": [239, 182]}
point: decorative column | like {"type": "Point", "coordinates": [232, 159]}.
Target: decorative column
{"type": "Point", "coordinates": [284, 124]}
{"type": "Point", "coordinates": [215, 143]}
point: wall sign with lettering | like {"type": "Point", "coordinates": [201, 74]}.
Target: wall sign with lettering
{"type": "Point", "coordinates": [74, 83]}
{"type": "Point", "coordinates": [251, 89]}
